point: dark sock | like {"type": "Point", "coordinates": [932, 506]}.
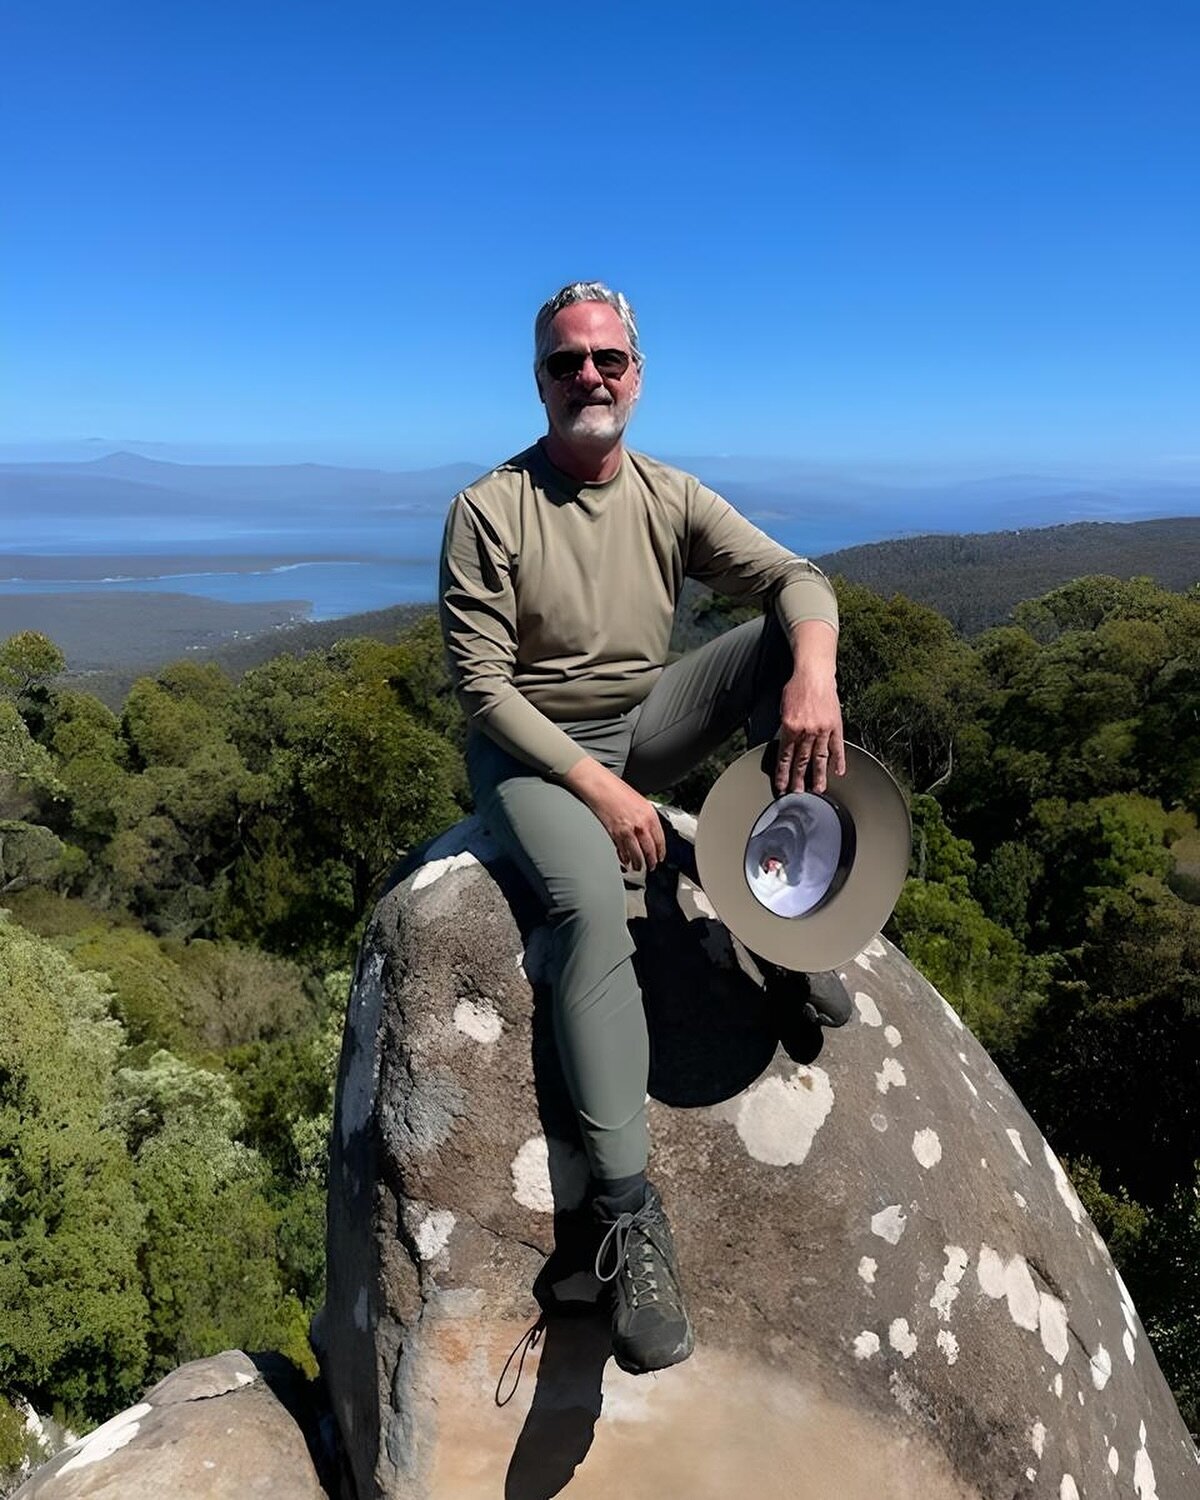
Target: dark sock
{"type": "Point", "coordinates": [619, 1195]}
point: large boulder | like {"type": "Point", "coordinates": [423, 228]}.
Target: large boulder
{"type": "Point", "coordinates": [896, 1291]}
{"type": "Point", "coordinates": [214, 1429]}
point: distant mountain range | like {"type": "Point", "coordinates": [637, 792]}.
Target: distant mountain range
{"type": "Point", "coordinates": [104, 504]}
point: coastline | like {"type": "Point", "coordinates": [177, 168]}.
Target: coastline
{"type": "Point", "coordinates": [98, 631]}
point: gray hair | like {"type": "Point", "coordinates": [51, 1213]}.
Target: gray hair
{"type": "Point", "coordinates": [584, 291]}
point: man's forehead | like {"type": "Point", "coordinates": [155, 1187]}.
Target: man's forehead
{"type": "Point", "coordinates": [593, 324]}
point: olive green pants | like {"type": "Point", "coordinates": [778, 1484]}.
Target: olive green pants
{"type": "Point", "coordinates": [571, 863]}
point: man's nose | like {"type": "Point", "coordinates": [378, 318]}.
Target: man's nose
{"type": "Point", "coordinates": [588, 373]}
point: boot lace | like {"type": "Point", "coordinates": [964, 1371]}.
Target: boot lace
{"type": "Point", "coordinates": [633, 1250]}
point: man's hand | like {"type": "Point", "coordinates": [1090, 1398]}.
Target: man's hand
{"type": "Point", "coordinates": [629, 820]}
{"type": "Point", "coordinates": [810, 716]}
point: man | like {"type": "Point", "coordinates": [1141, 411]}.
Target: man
{"type": "Point", "coordinates": [559, 578]}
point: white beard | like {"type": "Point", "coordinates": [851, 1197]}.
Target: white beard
{"type": "Point", "coordinates": [600, 423]}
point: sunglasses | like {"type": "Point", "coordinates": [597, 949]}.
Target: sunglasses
{"type": "Point", "coordinates": [611, 364]}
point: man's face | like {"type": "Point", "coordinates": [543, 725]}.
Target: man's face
{"type": "Point", "coordinates": [586, 406]}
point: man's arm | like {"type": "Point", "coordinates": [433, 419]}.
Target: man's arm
{"type": "Point", "coordinates": [478, 617]}
{"type": "Point", "coordinates": [735, 558]}
{"type": "Point", "coordinates": [810, 716]}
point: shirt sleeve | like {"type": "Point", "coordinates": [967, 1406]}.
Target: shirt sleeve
{"type": "Point", "coordinates": [733, 557]}
{"type": "Point", "coordinates": [477, 608]}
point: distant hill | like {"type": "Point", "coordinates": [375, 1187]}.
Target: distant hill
{"type": "Point", "coordinates": [975, 580]}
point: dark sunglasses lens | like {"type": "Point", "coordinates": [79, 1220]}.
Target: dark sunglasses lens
{"type": "Point", "coordinates": [563, 362]}
{"type": "Point", "coordinates": [611, 362]}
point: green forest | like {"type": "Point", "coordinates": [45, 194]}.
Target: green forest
{"type": "Point", "coordinates": [184, 883]}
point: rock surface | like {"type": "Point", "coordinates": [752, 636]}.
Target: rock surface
{"type": "Point", "coordinates": [896, 1291]}
{"type": "Point", "coordinates": [212, 1430]}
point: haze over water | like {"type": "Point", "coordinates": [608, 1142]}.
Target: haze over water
{"type": "Point", "coordinates": [347, 540]}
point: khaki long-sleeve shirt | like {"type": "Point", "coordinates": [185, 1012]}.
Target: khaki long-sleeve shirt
{"type": "Point", "coordinates": [558, 597]}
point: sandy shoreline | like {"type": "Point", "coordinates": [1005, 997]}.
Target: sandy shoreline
{"type": "Point", "coordinates": [76, 566]}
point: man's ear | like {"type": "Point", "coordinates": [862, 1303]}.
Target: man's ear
{"type": "Point", "coordinates": [537, 380]}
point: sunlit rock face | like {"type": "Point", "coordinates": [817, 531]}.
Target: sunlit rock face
{"type": "Point", "coordinates": [896, 1292]}
{"type": "Point", "coordinates": [212, 1430]}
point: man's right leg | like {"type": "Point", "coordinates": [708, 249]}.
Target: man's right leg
{"type": "Point", "coordinates": [600, 1026]}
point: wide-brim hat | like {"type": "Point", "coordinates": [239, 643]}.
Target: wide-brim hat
{"type": "Point", "coordinates": [805, 880]}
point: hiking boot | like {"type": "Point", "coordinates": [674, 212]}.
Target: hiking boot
{"type": "Point", "coordinates": [821, 999]}
{"type": "Point", "coordinates": [650, 1326]}
{"type": "Point", "coordinates": [828, 1002]}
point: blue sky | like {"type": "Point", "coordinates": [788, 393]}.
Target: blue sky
{"type": "Point", "coordinates": [857, 232]}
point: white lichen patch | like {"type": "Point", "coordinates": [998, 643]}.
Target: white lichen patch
{"type": "Point", "coordinates": [946, 1292]}
{"type": "Point", "coordinates": [863, 962]}
{"type": "Point", "coordinates": [969, 1084]}
{"type": "Point", "coordinates": [901, 1338]}
{"type": "Point", "coordinates": [778, 1118]}
{"type": "Point", "coordinates": [875, 948]}
{"type": "Point", "coordinates": [1052, 1326]}
{"type": "Point", "coordinates": [1128, 1346]}
{"type": "Point", "coordinates": [1012, 1281]}
{"type": "Point", "coordinates": [1037, 1438]}
{"type": "Point", "coordinates": [107, 1439]}
{"type": "Point", "coordinates": [1063, 1183]}
{"type": "Point", "coordinates": [241, 1378]}
{"type": "Point", "coordinates": [1058, 1385]}
{"type": "Point", "coordinates": [879, 1122]}
{"type": "Point", "coordinates": [1128, 1311]}
{"type": "Point", "coordinates": [433, 1233]}
{"type": "Point", "coordinates": [951, 1012]}
{"type": "Point", "coordinates": [866, 1270]}
{"type": "Point", "coordinates": [531, 1176]}
{"type": "Point", "coordinates": [1068, 1489]}
{"type": "Point", "coordinates": [436, 868]}
{"type": "Point", "coordinates": [1114, 1460]}
{"type": "Point", "coordinates": [891, 1035]}
{"type": "Point", "coordinates": [1018, 1145]}
{"type": "Point", "coordinates": [868, 1011]}
{"type": "Point", "coordinates": [1019, 1200]}
{"type": "Point", "coordinates": [866, 1344]}
{"type": "Point", "coordinates": [480, 1022]}
{"type": "Point", "coordinates": [1101, 1366]}
{"type": "Point", "coordinates": [889, 1223]}
{"type": "Point", "coordinates": [1144, 1484]}
{"type": "Point", "coordinates": [927, 1148]}
{"type": "Point", "coordinates": [948, 1344]}
{"type": "Point", "coordinates": [890, 1076]}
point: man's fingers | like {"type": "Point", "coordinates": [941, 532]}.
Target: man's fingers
{"type": "Point", "coordinates": [800, 762]}
{"type": "Point", "coordinates": [837, 752]}
{"type": "Point", "coordinates": [820, 762]}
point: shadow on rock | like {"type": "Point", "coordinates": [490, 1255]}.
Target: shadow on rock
{"type": "Point", "coordinates": [713, 1027]}
{"type": "Point", "coordinates": [561, 1423]}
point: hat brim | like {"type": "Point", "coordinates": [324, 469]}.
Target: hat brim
{"type": "Point", "coordinates": [861, 899]}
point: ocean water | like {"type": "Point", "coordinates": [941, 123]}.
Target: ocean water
{"type": "Point", "coordinates": [333, 559]}
{"type": "Point", "coordinates": [335, 570]}
{"type": "Point", "coordinates": [329, 589]}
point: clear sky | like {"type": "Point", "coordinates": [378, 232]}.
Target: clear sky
{"type": "Point", "coordinates": [854, 230]}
